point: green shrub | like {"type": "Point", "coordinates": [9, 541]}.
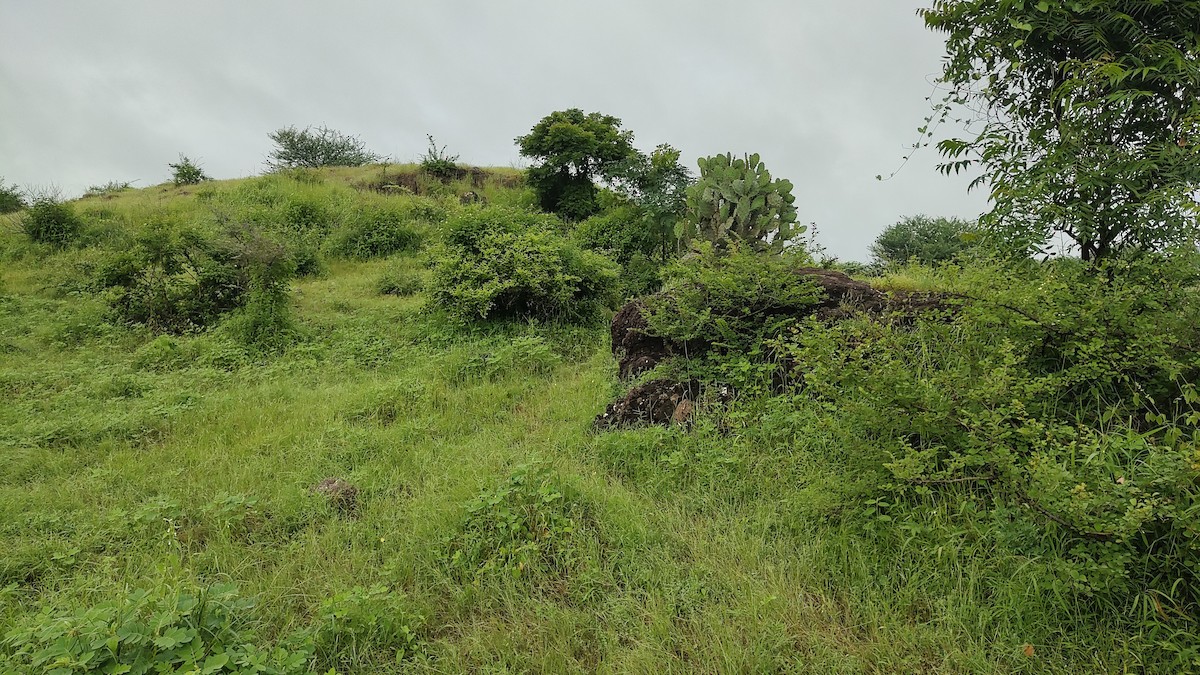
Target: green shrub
{"type": "Point", "coordinates": [50, 221]}
{"type": "Point", "coordinates": [500, 262]}
{"type": "Point", "coordinates": [619, 232]}
{"type": "Point", "coordinates": [187, 172]}
{"type": "Point", "coordinates": [624, 234]}
{"type": "Point", "coordinates": [374, 232]}
{"type": "Point", "coordinates": [926, 240]}
{"type": "Point", "coordinates": [533, 526]}
{"type": "Point", "coordinates": [303, 213]}
{"type": "Point", "coordinates": [264, 321]}
{"type": "Point", "coordinates": [732, 301]}
{"type": "Point", "coordinates": [112, 187]}
{"type": "Point", "coordinates": [1062, 398]}
{"type": "Point", "coordinates": [176, 279]}
{"type": "Point", "coordinates": [11, 198]}
{"type": "Point", "coordinates": [438, 163]}
{"type": "Point", "coordinates": [316, 147]}
{"type": "Point", "coordinates": [366, 630]}
{"type": "Point", "coordinates": [160, 354]}
{"type": "Point", "coordinates": [306, 253]}
{"type": "Point", "coordinates": [196, 630]}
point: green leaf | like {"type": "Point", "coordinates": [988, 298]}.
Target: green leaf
{"type": "Point", "coordinates": [215, 663]}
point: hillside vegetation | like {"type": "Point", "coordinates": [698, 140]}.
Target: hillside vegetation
{"type": "Point", "coordinates": [949, 495]}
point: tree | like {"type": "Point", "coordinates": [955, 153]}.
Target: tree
{"type": "Point", "coordinates": [737, 200]}
{"type": "Point", "coordinates": [657, 184]}
{"type": "Point", "coordinates": [312, 148]}
{"type": "Point", "coordinates": [928, 240]}
{"type": "Point", "coordinates": [1089, 117]}
{"type": "Point", "coordinates": [572, 150]}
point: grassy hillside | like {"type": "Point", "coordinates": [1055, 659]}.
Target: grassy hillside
{"type": "Point", "coordinates": [145, 473]}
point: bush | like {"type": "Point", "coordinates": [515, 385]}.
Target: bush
{"type": "Point", "coordinates": [436, 162]}
{"type": "Point", "coordinates": [927, 240]}
{"type": "Point", "coordinates": [194, 630]}
{"type": "Point", "coordinates": [112, 187]}
{"type": "Point", "coordinates": [733, 301]}
{"type": "Point", "coordinates": [11, 198]}
{"type": "Point", "coordinates": [50, 221]}
{"type": "Point", "coordinates": [619, 232]}
{"type": "Point", "coordinates": [176, 279]}
{"type": "Point", "coordinates": [533, 526]}
{"type": "Point", "coordinates": [374, 232]}
{"type": "Point", "coordinates": [187, 172]}
{"type": "Point", "coordinates": [313, 148]}
{"type": "Point", "coordinates": [1062, 399]}
{"type": "Point", "coordinates": [624, 234]}
{"type": "Point", "coordinates": [304, 213]}
{"type": "Point", "coordinates": [499, 262]}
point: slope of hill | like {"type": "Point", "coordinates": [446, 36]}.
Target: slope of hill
{"type": "Point", "coordinates": [166, 494]}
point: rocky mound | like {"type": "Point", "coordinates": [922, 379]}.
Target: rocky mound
{"type": "Point", "coordinates": [638, 351]}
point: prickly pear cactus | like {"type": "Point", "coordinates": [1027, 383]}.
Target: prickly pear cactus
{"type": "Point", "coordinates": [736, 200]}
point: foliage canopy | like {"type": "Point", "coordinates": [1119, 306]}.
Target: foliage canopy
{"type": "Point", "coordinates": [573, 149]}
{"type": "Point", "coordinates": [315, 147]}
{"type": "Point", "coordinates": [925, 239]}
{"type": "Point", "coordinates": [11, 198]}
{"type": "Point", "coordinates": [1090, 117]}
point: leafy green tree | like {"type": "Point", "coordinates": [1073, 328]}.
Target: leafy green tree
{"type": "Point", "coordinates": [928, 240]}
{"type": "Point", "coordinates": [573, 150]}
{"type": "Point", "coordinates": [1091, 117]}
{"type": "Point", "coordinates": [312, 148]}
{"type": "Point", "coordinates": [737, 200]}
{"type": "Point", "coordinates": [658, 183]}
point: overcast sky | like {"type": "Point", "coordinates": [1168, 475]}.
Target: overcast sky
{"type": "Point", "coordinates": [829, 93]}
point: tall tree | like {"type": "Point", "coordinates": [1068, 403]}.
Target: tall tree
{"type": "Point", "coordinates": [572, 150]}
{"type": "Point", "coordinates": [925, 239]}
{"type": "Point", "coordinates": [1088, 117]}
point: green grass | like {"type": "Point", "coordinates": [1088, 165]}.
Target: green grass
{"type": "Point", "coordinates": [702, 552]}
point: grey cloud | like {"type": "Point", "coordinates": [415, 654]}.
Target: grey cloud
{"type": "Point", "coordinates": [830, 94]}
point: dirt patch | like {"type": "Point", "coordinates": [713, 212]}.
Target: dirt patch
{"type": "Point", "coordinates": [401, 182]}
{"type": "Point", "coordinates": [342, 496]}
